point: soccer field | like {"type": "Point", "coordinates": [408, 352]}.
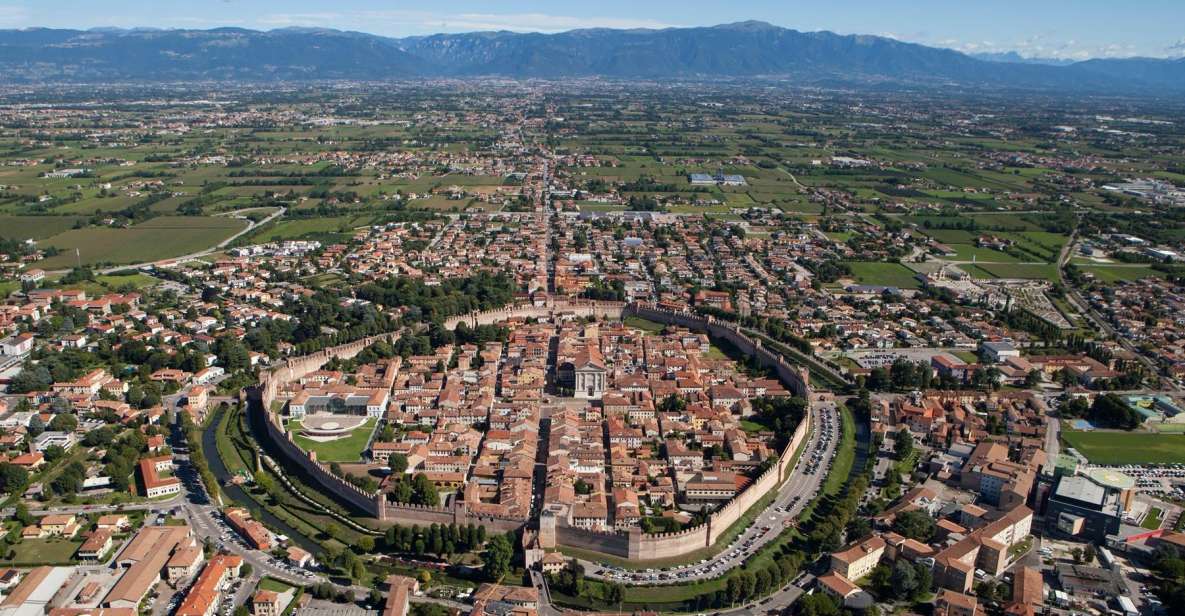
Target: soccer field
{"type": "Point", "coordinates": [1127, 447]}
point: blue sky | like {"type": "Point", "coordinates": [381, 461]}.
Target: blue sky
{"type": "Point", "coordinates": [1045, 28]}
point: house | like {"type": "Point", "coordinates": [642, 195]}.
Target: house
{"type": "Point", "coordinates": [553, 562]}
{"type": "Point", "coordinates": [63, 525]}
{"type": "Point", "coordinates": [86, 385]}
{"type": "Point", "coordinates": [256, 535]}
{"type": "Point", "coordinates": [153, 483]}
{"type": "Point", "coordinates": [844, 591]}
{"type": "Point", "coordinates": [16, 346]}
{"type": "Point", "coordinates": [266, 603]}
{"type": "Point", "coordinates": [97, 543]}
{"type": "Point", "coordinates": [9, 578]}
{"type": "Point", "coordinates": [33, 276]}
{"type": "Point", "coordinates": [184, 562]}
{"type": "Point", "coordinates": [116, 522]}
{"type": "Point", "coordinates": [950, 603]}
{"type": "Point", "coordinates": [300, 558]}
{"type": "Point", "coordinates": [860, 559]}
{"type": "Point", "coordinates": [30, 461]}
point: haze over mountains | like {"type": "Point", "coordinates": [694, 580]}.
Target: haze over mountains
{"type": "Point", "coordinates": [746, 49]}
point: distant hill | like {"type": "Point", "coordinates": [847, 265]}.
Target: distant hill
{"type": "Point", "coordinates": [746, 49]}
{"type": "Point", "coordinates": [1011, 57]}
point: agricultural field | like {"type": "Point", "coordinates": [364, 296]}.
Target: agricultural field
{"type": "Point", "coordinates": [888, 274]}
{"type": "Point", "coordinates": [164, 237]}
{"type": "Point", "coordinates": [36, 227]}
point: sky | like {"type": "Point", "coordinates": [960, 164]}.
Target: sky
{"type": "Point", "coordinates": [1067, 29]}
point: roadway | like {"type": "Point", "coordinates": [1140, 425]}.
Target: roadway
{"type": "Point", "coordinates": [794, 494]}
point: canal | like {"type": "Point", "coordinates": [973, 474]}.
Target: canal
{"type": "Point", "coordinates": [240, 496]}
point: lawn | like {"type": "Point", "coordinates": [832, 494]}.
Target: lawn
{"type": "Point", "coordinates": [1127, 447]}
{"type": "Point", "coordinates": [887, 274]}
{"type": "Point", "coordinates": [1153, 519]}
{"type": "Point", "coordinates": [1114, 273]}
{"type": "Point", "coordinates": [274, 585]}
{"type": "Point", "coordinates": [159, 238]}
{"type": "Point", "coordinates": [715, 352]}
{"type": "Point", "coordinates": [347, 449]}
{"type": "Point", "coordinates": [44, 551]}
{"type": "Point", "coordinates": [646, 325]}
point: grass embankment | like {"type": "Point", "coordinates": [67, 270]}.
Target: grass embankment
{"type": "Point", "coordinates": [237, 451]}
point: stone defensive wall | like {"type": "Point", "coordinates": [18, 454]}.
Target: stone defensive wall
{"type": "Point", "coordinates": [600, 310]}
{"type": "Point", "coordinates": [634, 545]}
{"type": "Point", "coordinates": [269, 426]}
{"type": "Point", "coordinates": [637, 545]}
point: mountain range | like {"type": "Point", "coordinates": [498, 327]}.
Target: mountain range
{"type": "Point", "coordinates": [745, 49]}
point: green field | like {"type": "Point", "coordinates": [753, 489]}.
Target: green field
{"type": "Point", "coordinates": [645, 325]}
{"type": "Point", "coordinates": [347, 449]}
{"type": "Point", "coordinates": [1015, 270]}
{"type": "Point", "coordinates": [159, 238]}
{"type": "Point", "coordinates": [1127, 447]}
{"type": "Point", "coordinates": [1153, 519]}
{"type": "Point", "coordinates": [286, 229]}
{"type": "Point", "coordinates": [35, 227]}
{"type": "Point", "coordinates": [1115, 273]}
{"type": "Point", "coordinates": [888, 274]}
{"type": "Point", "coordinates": [54, 550]}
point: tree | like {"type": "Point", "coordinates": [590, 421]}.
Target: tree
{"type": "Point", "coordinates": [21, 514]}
{"type": "Point", "coordinates": [365, 543]}
{"type": "Point", "coordinates": [496, 558]}
{"type": "Point", "coordinates": [915, 525]}
{"type": "Point", "coordinates": [904, 579]}
{"type": "Point", "coordinates": [36, 426]}
{"type": "Point", "coordinates": [614, 593]}
{"type": "Point", "coordinates": [424, 491]}
{"type": "Point", "coordinates": [13, 479]}
{"type": "Point", "coordinates": [925, 579]}
{"type": "Point", "coordinates": [903, 445]}
{"type": "Point", "coordinates": [1112, 411]}
{"type": "Point", "coordinates": [245, 570]}
{"type": "Point", "coordinates": [817, 604]}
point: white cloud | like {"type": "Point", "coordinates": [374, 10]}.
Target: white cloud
{"type": "Point", "coordinates": [407, 21]}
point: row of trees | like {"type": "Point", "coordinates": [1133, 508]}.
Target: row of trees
{"type": "Point", "coordinates": [438, 539]}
